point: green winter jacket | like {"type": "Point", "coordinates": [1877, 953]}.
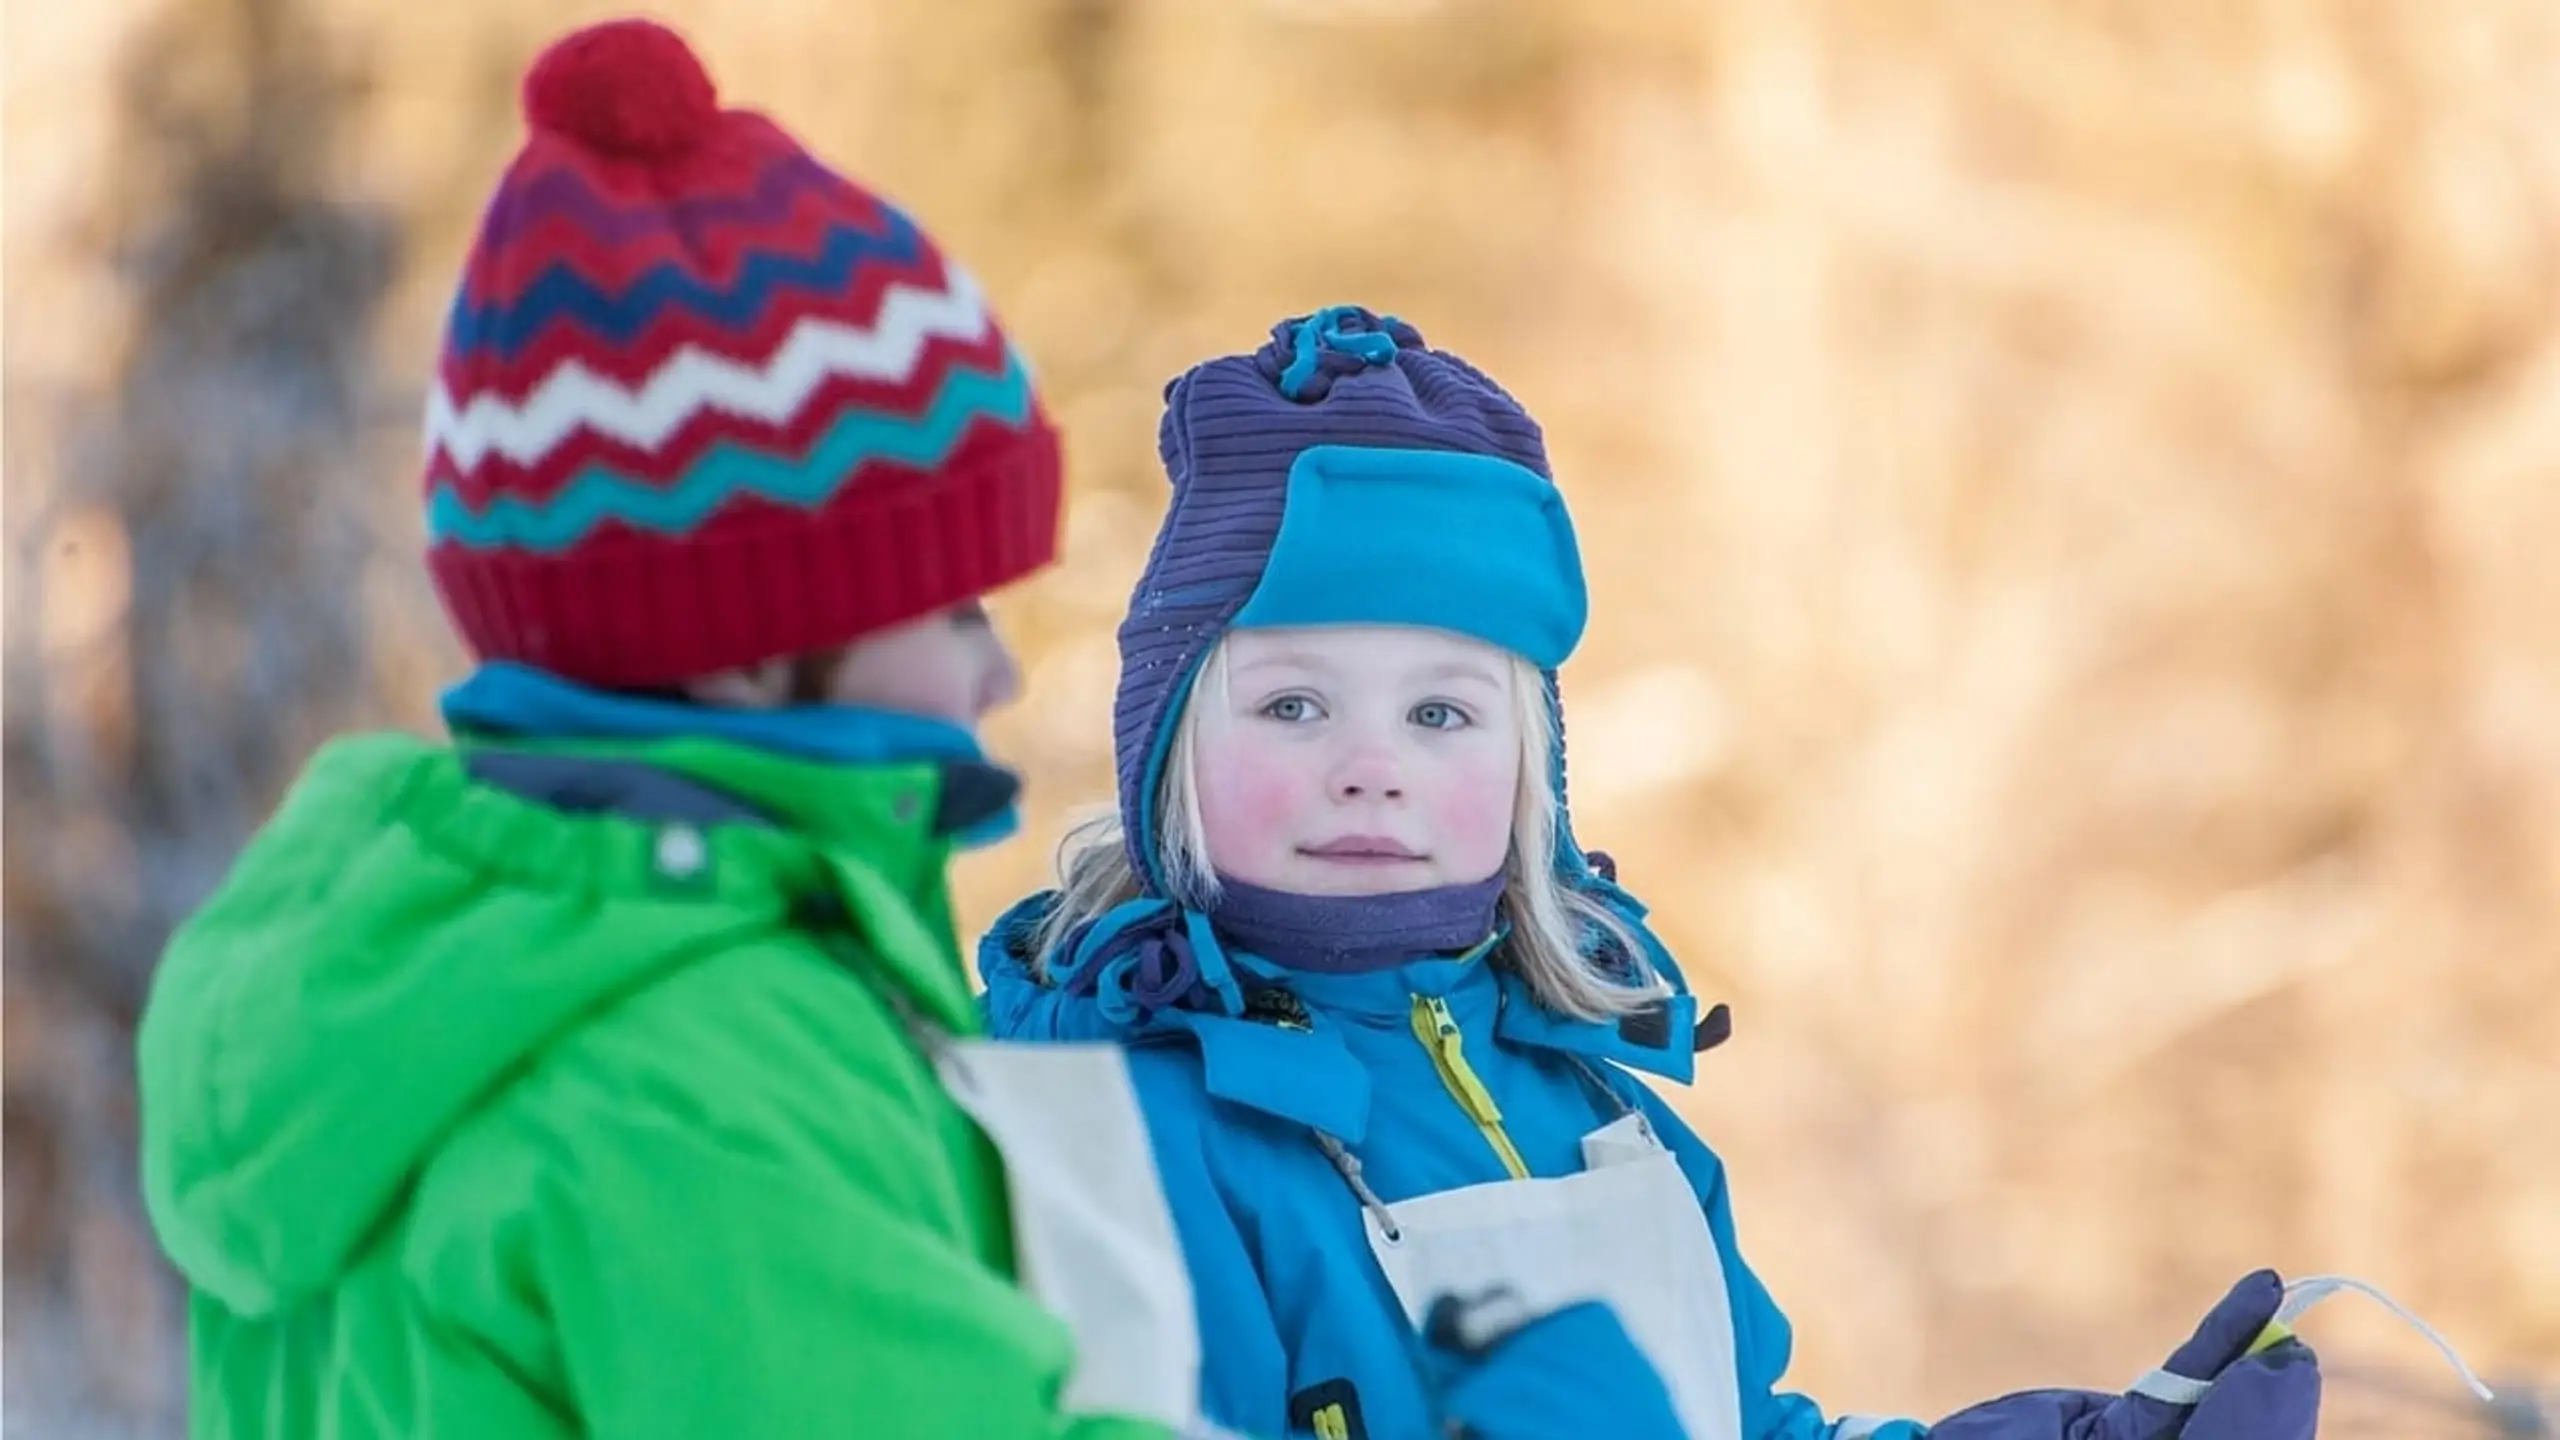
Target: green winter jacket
{"type": "Point", "coordinates": [469, 1114]}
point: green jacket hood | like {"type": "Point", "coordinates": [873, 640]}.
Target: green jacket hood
{"type": "Point", "coordinates": [401, 940]}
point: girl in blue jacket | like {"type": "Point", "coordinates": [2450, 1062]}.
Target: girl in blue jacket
{"type": "Point", "coordinates": [1385, 1015]}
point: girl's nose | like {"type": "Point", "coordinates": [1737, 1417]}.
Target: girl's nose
{"type": "Point", "coordinates": [1368, 775]}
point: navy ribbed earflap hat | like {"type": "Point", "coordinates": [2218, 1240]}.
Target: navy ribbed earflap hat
{"type": "Point", "coordinates": [1345, 473]}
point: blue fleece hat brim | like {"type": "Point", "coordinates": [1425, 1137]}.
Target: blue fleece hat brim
{"type": "Point", "coordinates": [1470, 544]}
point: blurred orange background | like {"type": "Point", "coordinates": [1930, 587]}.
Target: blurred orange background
{"type": "Point", "coordinates": [2071, 491]}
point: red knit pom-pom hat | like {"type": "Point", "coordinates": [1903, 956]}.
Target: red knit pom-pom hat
{"type": "Point", "coordinates": [705, 403]}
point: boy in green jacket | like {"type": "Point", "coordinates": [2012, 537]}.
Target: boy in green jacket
{"type": "Point", "coordinates": [580, 1076]}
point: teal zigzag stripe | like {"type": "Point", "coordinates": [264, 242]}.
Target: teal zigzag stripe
{"type": "Point", "coordinates": [599, 493]}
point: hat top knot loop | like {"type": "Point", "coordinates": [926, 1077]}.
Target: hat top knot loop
{"type": "Point", "coordinates": [1305, 356]}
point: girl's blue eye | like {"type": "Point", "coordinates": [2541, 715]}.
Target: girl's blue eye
{"type": "Point", "coordinates": [1291, 709]}
{"type": "Point", "coordinates": [1435, 715]}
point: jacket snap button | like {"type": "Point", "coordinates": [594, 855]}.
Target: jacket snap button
{"type": "Point", "coordinates": [682, 852]}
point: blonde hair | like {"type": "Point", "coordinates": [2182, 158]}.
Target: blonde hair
{"type": "Point", "coordinates": [1551, 926]}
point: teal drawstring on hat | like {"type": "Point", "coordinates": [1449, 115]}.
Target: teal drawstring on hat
{"type": "Point", "coordinates": [1323, 331]}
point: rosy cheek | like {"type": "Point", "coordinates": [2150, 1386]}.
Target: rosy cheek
{"type": "Point", "coordinates": [1250, 812]}
{"type": "Point", "coordinates": [1473, 817]}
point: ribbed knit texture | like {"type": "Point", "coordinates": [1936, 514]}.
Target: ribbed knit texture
{"type": "Point", "coordinates": [705, 403]}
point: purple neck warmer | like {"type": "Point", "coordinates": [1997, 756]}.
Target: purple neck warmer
{"type": "Point", "coordinates": [1351, 934]}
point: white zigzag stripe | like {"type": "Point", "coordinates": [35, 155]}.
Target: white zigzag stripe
{"type": "Point", "coordinates": [575, 398]}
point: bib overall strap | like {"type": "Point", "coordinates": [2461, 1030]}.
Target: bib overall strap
{"type": "Point", "coordinates": [1620, 1107]}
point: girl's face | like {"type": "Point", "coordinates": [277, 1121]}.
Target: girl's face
{"type": "Point", "coordinates": [1358, 760]}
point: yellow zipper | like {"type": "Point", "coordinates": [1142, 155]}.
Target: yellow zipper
{"type": "Point", "coordinates": [1437, 1029]}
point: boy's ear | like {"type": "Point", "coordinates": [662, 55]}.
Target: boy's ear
{"type": "Point", "coordinates": [755, 687]}
{"type": "Point", "coordinates": [812, 678]}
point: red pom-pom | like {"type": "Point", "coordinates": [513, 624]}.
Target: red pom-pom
{"type": "Point", "coordinates": [629, 87]}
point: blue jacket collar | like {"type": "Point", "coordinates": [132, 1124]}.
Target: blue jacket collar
{"type": "Point", "coordinates": [1258, 1048]}
{"type": "Point", "coordinates": [1269, 1039]}
{"type": "Point", "coordinates": [1658, 1040]}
